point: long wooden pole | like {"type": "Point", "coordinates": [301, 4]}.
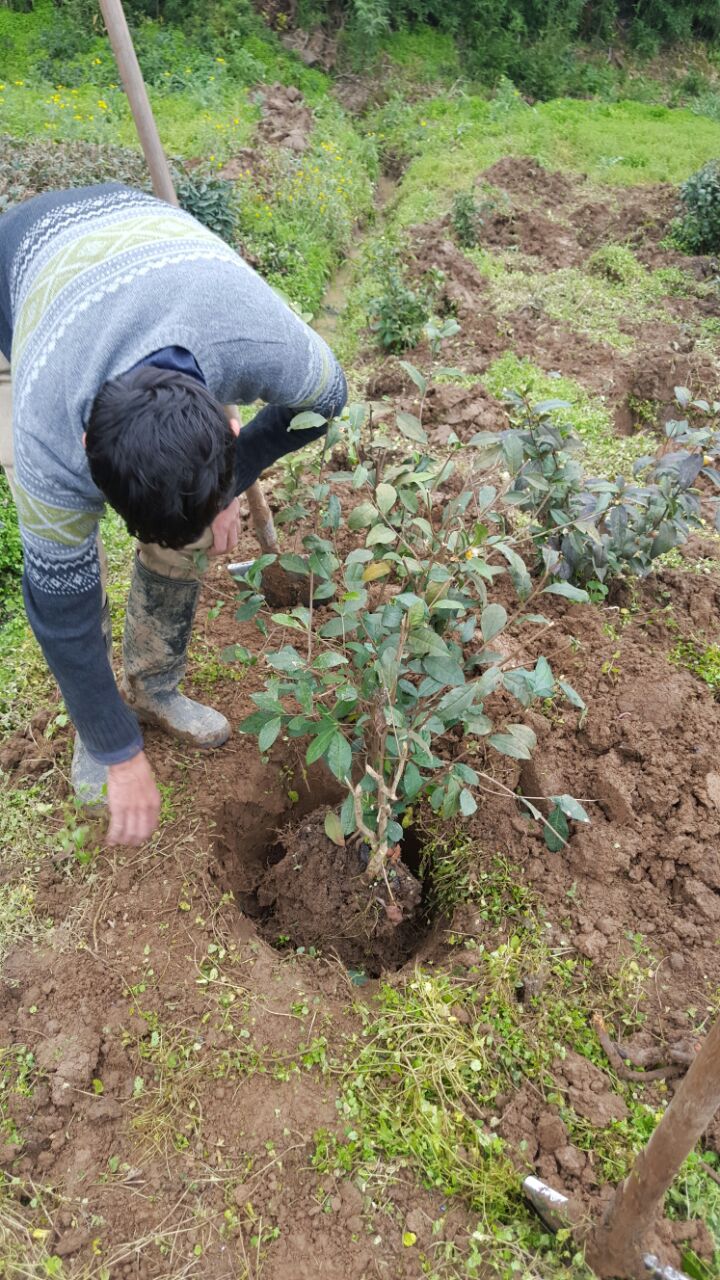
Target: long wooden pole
{"type": "Point", "coordinates": [616, 1247]}
{"type": "Point", "coordinates": [131, 76]}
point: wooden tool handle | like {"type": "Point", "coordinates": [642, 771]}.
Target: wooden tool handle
{"type": "Point", "coordinates": [131, 76]}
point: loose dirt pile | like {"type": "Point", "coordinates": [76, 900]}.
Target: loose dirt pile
{"type": "Point", "coordinates": [551, 221]}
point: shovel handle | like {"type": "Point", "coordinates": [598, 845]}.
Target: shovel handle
{"type": "Point", "coordinates": [156, 160]}
{"type": "Point", "coordinates": [132, 78]}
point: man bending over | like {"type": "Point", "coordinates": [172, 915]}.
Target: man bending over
{"type": "Point", "coordinates": [128, 326]}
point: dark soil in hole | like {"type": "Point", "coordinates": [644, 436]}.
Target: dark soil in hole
{"type": "Point", "coordinates": [307, 892]}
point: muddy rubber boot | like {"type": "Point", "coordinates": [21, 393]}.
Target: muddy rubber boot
{"type": "Point", "coordinates": [88, 779]}
{"type": "Point", "coordinates": [158, 622]}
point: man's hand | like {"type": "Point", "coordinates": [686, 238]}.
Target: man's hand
{"type": "Point", "coordinates": [133, 800]}
{"type": "Point", "coordinates": [226, 529]}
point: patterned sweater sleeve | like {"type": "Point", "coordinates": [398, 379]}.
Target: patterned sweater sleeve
{"type": "Point", "coordinates": [292, 370]}
{"type": "Point", "coordinates": [63, 599]}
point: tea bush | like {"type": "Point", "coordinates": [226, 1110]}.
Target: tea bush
{"type": "Point", "coordinates": [699, 230]}
{"type": "Point", "coordinates": [213, 202]}
{"type": "Point", "coordinates": [399, 312]}
{"type": "Point", "coordinates": [393, 682]}
{"type": "Point", "coordinates": [468, 215]}
{"type": "Point", "coordinates": [598, 527]}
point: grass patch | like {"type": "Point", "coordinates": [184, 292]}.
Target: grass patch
{"type": "Point", "coordinates": [450, 139]}
{"type": "Point", "coordinates": [30, 835]}
{"type": "Point", "coordinates": [440, 1053]}
{"type": "Point", "coordinates": [423, 55]}
{"type": "Point", "coordinates": [589, 303]}
{"type": "Point", "coordinates": [605, 452]}
{"type": "Point", "coordinates": [25, 682]}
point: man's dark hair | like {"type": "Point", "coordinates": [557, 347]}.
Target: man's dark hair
{"type": "Point", "coordinates": [161, 451]}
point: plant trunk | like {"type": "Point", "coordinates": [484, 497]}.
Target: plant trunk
{"type": "Point", "coordinates": [616, 1246]}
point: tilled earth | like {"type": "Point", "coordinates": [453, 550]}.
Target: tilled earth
{"type": "Point", "coordinates": [183, 1057]}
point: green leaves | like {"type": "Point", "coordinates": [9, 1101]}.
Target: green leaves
{"type": "Point", "coordinates": [411, 427]}
{"type": "Point", "coordinates": [517, 741]}
{"type": "Point", "coordinates": [567, 591]}
{"type": "Point", "coordinates": [269, 733]}
{"type": "Point", "coordinates": [444, 670]}
{"type": "Point", "coordinates": [286, 659]}
{"type": "Point", "coordinates": [294, 564]}
{"type": "Point", "coordinates": [333, 829]}
{"type": "Point", "coordinates": [339, 756]}
{"type": "Point", "coordinates": [385, 497]}
{"type": "Point", "coordinates": [526, 685]}
{"type": "Point", "coordinates": [492, 621]}
{"type": "Point", "coordinates": [415, 374]}
{"type": "Point", "coordinates": [380, 535]}
{"type": "Point", "coordinates": [331, 745]}
{"type": "Point", "coordinates": [570, 807]}
{"type": "Point", "coordinates": [557, 832]}
{"type": "Point", "coordinates": [306, 420]}
{"type": "Point", "coordinates": [361, 516]}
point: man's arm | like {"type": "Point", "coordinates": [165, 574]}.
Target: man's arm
{"type": "Point", "coordinates": [68, 630]}
{"type": "Point", "coordinates": [291, 369]}
{"type": "Point", "coordinates": [267, 438]}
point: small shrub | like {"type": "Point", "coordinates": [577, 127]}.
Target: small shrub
{"type": "Point", "coordinates": [399, 312]}
{"type": "Point", "coordinates": [464, 218]}
{"type": "Point", "coordinates": [468, 215]}
{"type": "Point", "coordinates": [212, 201]}
{"type": "Point", "coordinates": [393, 685]}
{"type": "Point", "coordinates": [29, 166]}
{"type": "Point", "coordinates": [699, 230]}
{"type": "Point", "coordinates": [601, 528]}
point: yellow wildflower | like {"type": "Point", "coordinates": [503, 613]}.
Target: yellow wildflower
{"type": "Point", "coordinates": [102, 104]}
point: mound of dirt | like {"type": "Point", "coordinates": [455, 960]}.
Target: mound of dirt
{"type": "Point", "coordinates": [313, 894]}
{"type": "Point", "coordinates": [29, 753]}
{"type": "Point", "coordinates": [287, 121]}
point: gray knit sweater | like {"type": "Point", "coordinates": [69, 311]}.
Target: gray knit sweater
{"type": "Point", "coordinates": [93, 281]}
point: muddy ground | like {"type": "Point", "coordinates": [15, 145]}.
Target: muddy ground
{"type": "Point", "coordinates": [183, 1041]}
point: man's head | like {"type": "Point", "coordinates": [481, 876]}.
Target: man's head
{"type": "Point", "coordinates": [161, 451]}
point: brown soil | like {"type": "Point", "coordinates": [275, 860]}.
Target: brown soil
{"type": "Point", "coordinates": [557, 220]}
{"type": "Point", "coordinates": [212, 1094]}
{"type": "Point", "coordinates": [313, 894]}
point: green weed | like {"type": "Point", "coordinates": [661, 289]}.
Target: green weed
{"type": "Point", "coordinates": [599, 302]}
{"type": "Point", "coordinates": [702, 660]}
